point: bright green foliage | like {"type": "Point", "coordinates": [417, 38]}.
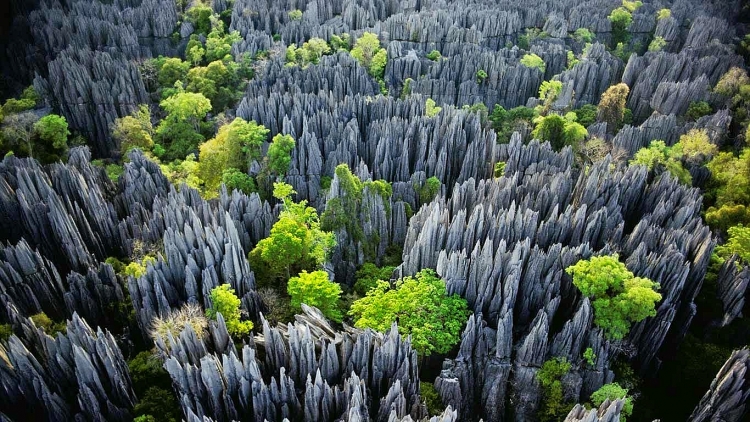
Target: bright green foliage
{"type": "Point", "coordinates": [296, 239]}
{"type": "Point", "coordinates": [696, 146]}
{"type": "Point", "coordinates": [280, 153]}
{"type": "Point", "coordinates": [310, 52]}
{"type": "Point", "coordinates": [195, 54]}
{"type": "Point", "coordinates": [368, 276]}
{"type": "Point", "coordinates": [114, 171]}
{"type": "Point", "coordinates": [499, 169]}
{"type": "Point", "coordinates": [618, 297]}
{"type": "Point", "coordinates": [732, 175]}
{"type": "Point", "coordinates": [657, 44]}
{"type": "Point", "coordinates": [17, 134]}
{"type": "Point", "coordinates": [731, 82]}
{"type": "Point", "coordinates": [171, 70]}
{"type": "Point", "coordinates": [369, 54]}
{"type": "Point", "coordinates": [233, 147]}
{"type": "Point", "coordinates": [295, 15]}
{"type": "Point", "coordinates": [659, 157]}
{"type": "Point", "coordinates": [179, 130]}
{"type": "Point", "coordinates": [612, 106]}
{"type": "Point", "coordinates": [144, 418]}
{"type": "Point", "coordinates": [621, 18]}
{"type": "Point", "coordinates": [200, 17]}
{"type": "Point", "coordinates": [314, 289]}
{"type": "Point", "coordinates": [53, 131]}
{"type": "Point", "coordinates": [481, 76]}
{"type": "Point", "coordinates": [218, 82]}
{"type": "Point", "coordinates": [572, 60]}
{"type": "Point", "coordinates": [524, 41]}
{"type": "Point", "coordinates": [613, 391]}
{"type": "Point", "coordinates": [28, 101]}
{"type": "Point", "coordinates": [586, 115]}
{"type": "Point", "coordinates": [505, 122]}
{"type": "Point", "coordinates": [138, 269]}
{"type": "Point", "coordinates": [431, 398]}
{"type": "Point", "coordinates": [134, 131]}
{"type": "Point", "coordinates": [339, 43]}
{"type": "Point", "coordinates": [5, 332]}
{"type": "Point", "coordinates": [548, 93]}
{"type": "Point", "coordinates": [559, 131]}
{"type": "Point", "coordinates": [183, 171]}
{"type": "Point", "coordinates": [51, 328]}
{"type": "Point", "coordinates": [533, 61]}
{"type": "Point", "coordinates": [421, 307]}
{"type": "Point", "coordinates": [549, 377]}
{"type": "Point", "coordinates": [158, 401]}
{"type": "Point", "coordinates": [727, 215]}
{"type": "Point", "coordinates": [219, 43]}
{"type": "Point", "coordinates": [226, 303]}
{"type": "Point", "coordinates": [631, 6]}
{"type": "Point", "coordinates": [430, 109]}
{"type": "Point", "coordinates": [434, 55]}
{"type": "Point", "coordinates": [236, 179]}
{"type": "Point", "coordinates": [583, 35]}
{"type": "Point", "coordinates": [589, 356]}
{"type": "Point", "coordinates": [698, 109]}
{"type": "Point", "coordinates": [738, 243]}
{"type": "Point", "coordinates": [663, 14]}
{"type": "Point", "coordinates": [146, 371]}
{"type": "Point", "coordinates": [429, 190]}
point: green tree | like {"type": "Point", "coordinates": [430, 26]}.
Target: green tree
{"type": "Point", "coordinates": [583, 35]}
{"type": "Point", "coordinates": [429, 190]}
{"type": "Point", "coordinates": [657, 44]}
{"type": "Point", "coordinates": [51, 328]}
{"type": "Point", "coordinates": [368, 276]}
{"type": "Point", "coordinates": [612, 105]}
{"type": "Point", "coordinates": [586, 115]}
{"type": "Point", "coordinates": [5, 332]}
{"type": "Point", "coordinates": [134, 131]}
{"type": "Point", "coordinates": [295, 15]}
{"type": "Point", "coordinates": [157, 401]}
{"type": "Point", "coordinates": [179, 131]}
{"type": "Point", "coordinates": [236, 179]}
{"type": "Point", "coordinates": [433, 55]}
{"type": "Point", "coordinates": [422, 308]}
{"type": "Point", "coordinates": [18, 133]}
{"type": "Point", "coordinates": [612, 392]}
{"type": "Point", "coordinates": [430, 109]}
{"type": "Point", "coordinates": [171, 70]}
{"type": "Point", "coordinates": [663, 14]}
{"type": "Point", "coordinates": [620, 18]}
{"type": "Point", "coordinates": [481, 76]}
{"type": "Point", "coordinates": [226, 303]}
{"type": "Point", "coordinates": [296, 239]}
{"type": "Point", "coordinates": [698, 109]}
{"type": "Point", "coordinates": [589, 356]}
{"type": "Point", "coordinates": [618, 297]}
{"type": "Point", "coordinates": [314, 289]}
{"type": "Point", "coordinates": [369, 54]}
{"type": "Point", "coordinates": [340, 43]}
{"type": "Point", "coordinates": [550, 379]}
{"type": "Point", "coordinates": [280, 153]}
{"type": "Point", "coordinates": [533, 61]}
{"type": "Point", "coordinates": [53, 131]}
{"type": "Point", "coordinates": [200, 17]}
{"type": "Point", "coordinates": [559, 131]}
{"type": "Point", "coordinates": [738, 243]}
{"type": "Point", "coordinates": [505, 122]}
{"type": "Point", "coordinates": [431, 398]}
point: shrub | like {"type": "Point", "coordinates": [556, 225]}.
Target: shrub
{"type": "Point", "coordinates": [549, 377]}
{"type": "Point", "coordinates": [698, 109]}
{"type": "Point", "coordinates": [430, 109]}
{"type": "Point", "coordinates": [612, 106]}
{"type": "Point", "coordinates": [481, 76]}
{"type": "Point", "coordinates": [314, 289]}
{"type": "Point", "coordinates": [618, 297]}
{"type": "Point", "coordinates": [657, 44]}
{"type": "Point", "coordinates": [5, 331]}
{"type": "Point", "coordinates": [41, 320]}
{"type": "Point", "coordinates": [146, 371]}
{"type": "Point", "coordinates": [226, 303]}
{"type": "Point", "coordinates": [422, 308]}
{"type": "Point", "coordinates": [434, 55]}
{"type": "Point", "coordinates": [499, 170]}
{"type": "Point", "coordinates": [663, 14]}
{"type": "Point", "coordinates": [621, 18]}
{"type": "Point", "coordinates": [53, 130]}
{"type": "Point", "coordinates": [589, 356]}
{"type": "Point", "coordinates": [235, 179]}
{"type": "Point", "coordinates": [431, 398]}
{"type": "Point", "coordinates": [280, 153]}
{"type": "Point", "coordinates": [738, 243]}
{"type": "Point", "coordinates": [429, 190]}
{"type": "Point", "coordinates": [505, 122]}
{"type": "Point", "coordinates": [613, 391]}
{"type": "Point", "coordinates": [533, 61]}
{"type": "Point", "coordinates": [176, 321]}
{"type": "Point", "coordinates": [586, 115]}
{"type": "Point", "coordinates": [583, 35]}
{"type": "Point", "coordinates": [158, 401]}
{"type": "Point", "coordinates": [295, 15]}
{"type": "Point", "coordinates": [368, 276]}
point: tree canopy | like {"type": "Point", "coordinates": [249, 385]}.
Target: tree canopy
{"type": "Point", "coordinates": [314, 289]}
{"type": "Point", "coordinates": [226, 303]}
{"type": "Point", "coordinates": [618, 297]}
{"type": "Point", "coordinates": [421, 307]}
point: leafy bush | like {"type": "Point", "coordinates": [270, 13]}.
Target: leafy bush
{"type": "Point", "coordinates": [618, 297]}
{"type": "Point", "coordinates": [146, 371]}
{"type": "Point", "coordinates": [53, 131]}
{"type": "Point", "coordinates": [657, 44]}
{"type": "Point", "coordinates": [583, 35]}
{"type": "Point", "coordinates": [434, 55]}
{"type": "Point", "coordinates": [235, 179]}
{"type": "Point", "coordinates": [41, 320]}
{"type": "Point", "coordinates": [200, 17]}
{"type": "Point", "coordinates": [280, 153]}
{"type": "Point", "coordinates": [431, 110]}
{"type": "Point", "coordinates": [5, 332]}
{"type": "Point", "coordinates": [698, 109]}
{"type": "Point", "coordinates": [429, 190]}
{"type": "Point", "coordinates": [659, 157]}
{"type": "Point", "coordinates": [505, 122]}
{"type": "Point", "coordinates": [369, 54]}
{"type": "Point", "coordinates": [158, 401]}
{"type": "Point", "coordinates": [226, 303]}
{"type": "Point", "coordinates": [613, 391]}
{"type": "Point", "coordinates": [663, 14]}
{"type": "Point", "coordinates": [481, 76]}
{"type": "Point", "coordinates": [738, 243]}
{"type": "Point", "coordinates": [621, 18]}
{"type": "Point", "coordinates": [368, 276]}
{"type": "Point", "coordinates": [134, 131]}
{"type": "Point", "coordinates": [176, 321]}
{"type": "Point", "coordinates": [499, 170]}
{"type": "Point", "coordinates": [534, 62]}
{"type": "Point", "coordinates": [549, 377]}
{"type": "Point", "coordinates": [314, 289]}
{"type": "Point", "coordinates": [589, 356]}
{"type": "Point", "coordinates": [422, 308]}
{"type": "Point", "coordinates": [612, 106]}
{"type": "Point", "coordinates": [586, 115]}
{"type": "Point", "coordinates": [295, 15]}
{"type": "Point", "coordinates": [559, 131]}
{"type": "Point", "coordinates": [431, 398]}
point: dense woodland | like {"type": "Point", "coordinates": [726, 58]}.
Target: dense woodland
{"type": "Point", "coordinates": [374, 210]}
